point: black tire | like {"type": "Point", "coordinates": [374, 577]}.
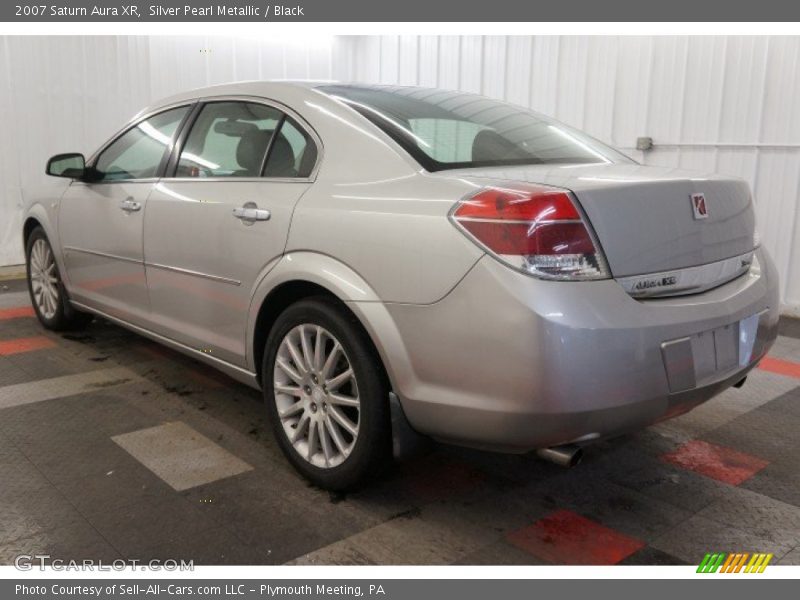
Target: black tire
{"type": "Point", "coordinates": [371, 450]}
{"type": "Point", "coordinates": [64, 317]}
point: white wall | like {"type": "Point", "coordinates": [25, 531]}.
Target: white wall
{"type": "Point", "coordinates": [725, 104]}
{"type": "Point", "coordinates": [64, 93]}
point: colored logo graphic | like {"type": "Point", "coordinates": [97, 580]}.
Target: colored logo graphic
{"type": "Point", "coordinates": [699, 206]}
{"type": "Point", "coordinates": [737, 562]}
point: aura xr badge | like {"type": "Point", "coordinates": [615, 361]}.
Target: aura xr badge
{"type": "Point", "coordinates": [699, 206]}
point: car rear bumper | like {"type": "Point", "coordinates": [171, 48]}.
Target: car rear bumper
{"type": "Point", "coordinates": [513, 363]}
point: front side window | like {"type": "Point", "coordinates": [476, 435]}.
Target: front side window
{"type": "Point", "coordinates": [137, 153]}
{"type": "Point", "coordinates": [448, 130]}
{"type": "Point", "coordinates": [229, 139]}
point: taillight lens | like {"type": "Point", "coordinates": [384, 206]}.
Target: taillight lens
{"type": "Point", "coordinates": [536, 229]}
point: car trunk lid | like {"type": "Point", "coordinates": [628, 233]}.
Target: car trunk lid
{"type": "Point", "coordinates": [645, 217]}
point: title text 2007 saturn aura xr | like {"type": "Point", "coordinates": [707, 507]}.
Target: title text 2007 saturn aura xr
{"type": "Point", "coordinates": [394, 259]}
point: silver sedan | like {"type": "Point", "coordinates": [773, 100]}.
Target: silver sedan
{"type": "Point", "coordinates": [390, 263]}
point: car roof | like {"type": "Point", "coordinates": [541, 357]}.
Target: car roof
{"type": "Point", "coordinates": [265, 88]}
{"type": "Point", "coordinates": [239, 88]}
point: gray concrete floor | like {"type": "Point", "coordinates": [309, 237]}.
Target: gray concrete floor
{"type": "Point", "coordinates": [114, 447]}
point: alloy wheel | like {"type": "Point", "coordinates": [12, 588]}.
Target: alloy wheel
{"type": "Point", "coordinates": [44, 279]}
{"type": "Point", "coordinates": [316, 394]}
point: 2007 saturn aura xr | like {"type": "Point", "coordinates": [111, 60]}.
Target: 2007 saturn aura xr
{"type": "Point", "coordinates": [396, 259]}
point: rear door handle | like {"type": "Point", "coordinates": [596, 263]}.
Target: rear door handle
{"type": "Point", "coordinates": [130, 205]}
{"type": "Point", "coordinates": [250, 213]}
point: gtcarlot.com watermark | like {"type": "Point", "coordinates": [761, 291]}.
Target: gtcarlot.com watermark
{"type": "Point", "coordinates": [29, 562]}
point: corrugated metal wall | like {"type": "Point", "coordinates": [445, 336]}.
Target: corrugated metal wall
{"type": "Point", "coordinates": [721, 103]}
{"type": "Point", "coordinates": [65, 93]}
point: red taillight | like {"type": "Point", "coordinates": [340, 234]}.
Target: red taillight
{"type": "Point", "coordinates": [537, 229]}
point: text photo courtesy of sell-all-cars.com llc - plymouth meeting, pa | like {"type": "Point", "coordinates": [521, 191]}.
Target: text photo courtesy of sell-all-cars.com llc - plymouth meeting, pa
{"type": "Point", "coordinates": [331, 306]}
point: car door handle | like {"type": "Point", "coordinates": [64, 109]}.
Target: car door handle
{"type": "Point", "coordinates": [130, 205]}
{"type": "Point", "coordinates": [250, 213]}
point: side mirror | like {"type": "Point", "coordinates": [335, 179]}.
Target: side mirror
{"type": "Point", "coordinates": [72, 165]}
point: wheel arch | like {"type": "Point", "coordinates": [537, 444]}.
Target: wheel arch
{"type": "Point", "coordinates": [279, 299]}
{"type": "Point", "coordinates": [301, 275]}
{"type": "Point", "coordinates": [30, 224]}
{"type": "Point", "coordinates": [38, 216]}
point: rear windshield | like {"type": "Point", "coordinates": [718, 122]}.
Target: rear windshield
{"type": "Point", "coordinates": [451, 130]}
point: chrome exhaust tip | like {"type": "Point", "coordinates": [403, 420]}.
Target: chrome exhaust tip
{"type": "Point", "coordinates": [566, 456]}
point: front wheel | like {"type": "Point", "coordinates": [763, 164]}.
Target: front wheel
{"type": "Point", "coordinates": [326, 394]}
{"type": "Point", "coordinates": [48, 296]}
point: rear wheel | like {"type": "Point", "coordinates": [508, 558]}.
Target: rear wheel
{"type": "Point", "coordinates": [48, 296]}
{"type": "Point", "coordinates": [326, 394]}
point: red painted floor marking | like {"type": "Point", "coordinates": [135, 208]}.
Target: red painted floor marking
{"type": "Point", "coordinates": [717, 462]}
{"type": "Point", "coordinates": [779, 366]}
{"type": "Point", "coordinates": [20, 345]}
{"type": "Point", "coordinates": [567, 538]}
{"type": "Point", "coordinates": [17, 312]}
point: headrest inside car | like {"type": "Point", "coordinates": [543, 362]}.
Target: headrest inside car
{"type": "Point", "coordinates": [250, 151]}
{"type": "Point", "coordinates": [234, 128]}
{"type": "Point", "coordinates": [281, 161]}
{"type": "Point", "coordinates": [489, 145]}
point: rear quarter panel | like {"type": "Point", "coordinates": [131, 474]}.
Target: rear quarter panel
{"type": "Point", "coordinates": [394, 233]}
{"type": "Point", "coordinates": [375, 210]}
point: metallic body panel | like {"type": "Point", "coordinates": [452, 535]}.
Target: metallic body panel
{"type": "Point", "coordinates": [689, 280]}
{"type": "Point", "coordinates": [102, 247]}
{"type": "Point", "coordinates": [643, 215]}
{"type": "Point", "coordinates": [202, 262]}
{"type": "Point", "coordinates": [394, 233]}
{"type": "Point", "coordinates": [241, 375]}
{"type": "Point", "coordinates": [552, 362]}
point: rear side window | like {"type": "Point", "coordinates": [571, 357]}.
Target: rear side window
{"type": "Point", "coordinates": [449, 130]}
{"type": "Point", "coordinates": [452, 140]}
{"type": "Point", "coordinates": [243, 139]}
{"type": "Point", "coordinates": [229, 139]}
{"type": "Point", "coordinates": [293, 154]}
{"type": "Point", "coordinates": [137, 153]}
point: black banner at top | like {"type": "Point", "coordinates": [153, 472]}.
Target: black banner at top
{"type": "Point", "coordinates": [406, 11]}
